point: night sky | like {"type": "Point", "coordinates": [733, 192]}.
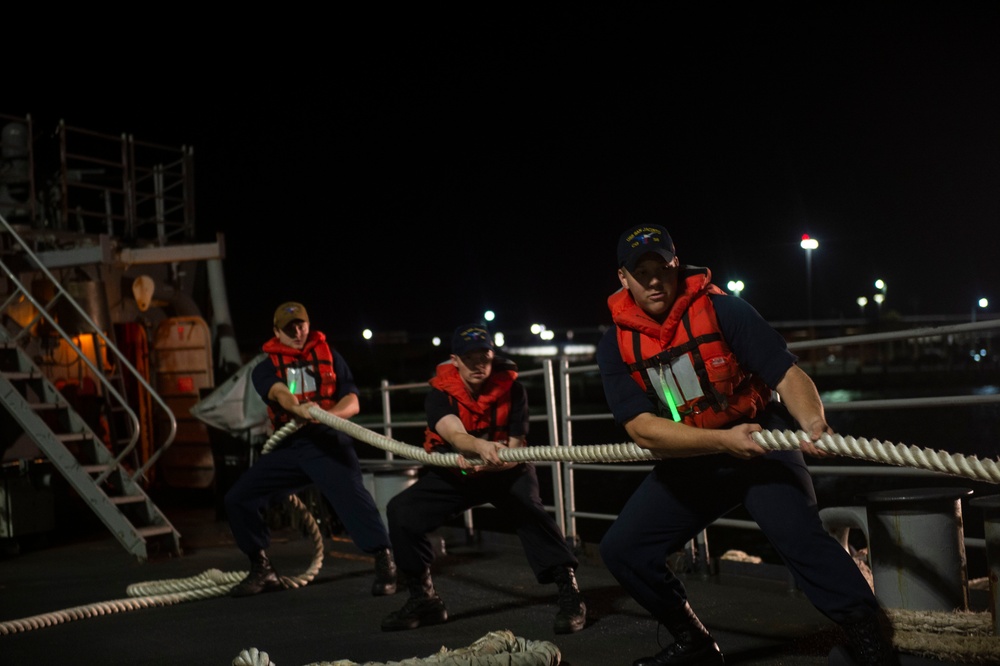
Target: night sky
{"type": "Point", "coordinates": [409, 172]}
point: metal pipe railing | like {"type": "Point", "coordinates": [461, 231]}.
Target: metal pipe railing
{"type": "Point", "coordinates": [99, 374]}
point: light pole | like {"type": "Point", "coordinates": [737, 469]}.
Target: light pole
{"type": "Point", "coordinates": [736, 286]}
{"type": "Point", "coordinates": [809, 244]}
{"type": "Point", "coordinates": [983, 303]}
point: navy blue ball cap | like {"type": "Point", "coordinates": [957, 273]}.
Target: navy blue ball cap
{"type": "Point", "coordinates": [470, 337]}
{"type": "Point", "coordinates": [639, 240]}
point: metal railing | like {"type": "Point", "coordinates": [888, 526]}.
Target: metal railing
{"type": "Point", "coordinates": [560, 419]}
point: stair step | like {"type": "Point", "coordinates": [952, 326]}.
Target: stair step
{"type": "Point", "coordinates": [127, 499]}
{"type": "Point", "coordinates": [154, 530]}
{"type": "Point", "coordinates": [15, 376]}
{"type": "Point", "coordinates": [72, 436]}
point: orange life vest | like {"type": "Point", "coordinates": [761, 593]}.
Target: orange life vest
{"type": "Point", "coordinates": [685, 360]}
{"type": "Point", "coordinates": [314, 359]}
{"type": "Point", "coordinates": [487, 416]}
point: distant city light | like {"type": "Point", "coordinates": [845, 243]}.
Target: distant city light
{"type": "Point", "coordinates": [436, 341]}
{"type": "Point", "coordinates": [862, 301]}
{"type": "Point", "coordinates": [489, 315]}
{"type": "Point", "coordinates": [735, 286]}
{"type": "Point", "coordinates": [499, 339]}
{"type": "Point", "coordinates": [367, 334]}
{"type": "Point", "coordinates": [808, 243]}
{"type": "Point", "coordinates": [983, 302]}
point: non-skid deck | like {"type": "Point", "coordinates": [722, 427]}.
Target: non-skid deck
{"type": "Point", "coordinates": [487, 586]}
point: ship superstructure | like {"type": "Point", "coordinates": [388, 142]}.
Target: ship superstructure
{"type": "Point", "coordinates": [114, 323]}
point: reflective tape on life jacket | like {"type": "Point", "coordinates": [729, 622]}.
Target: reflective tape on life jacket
{"type": "Point", "coordinates": [308, 373]}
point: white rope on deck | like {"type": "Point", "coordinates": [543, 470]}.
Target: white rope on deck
{"type": "Point", "coordinates": [206, 585]}
{"type": "Point", "coordinates": [497, 648]}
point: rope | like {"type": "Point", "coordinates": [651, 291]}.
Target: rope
{"type": "Point", "coordinates": [965, 637]}
{"type": "Point", "coordinates": [774, 440]}
{"type": "Point", "coordinates": [958, 636]}
{"type": "Point", "coordinates": [497, 648]}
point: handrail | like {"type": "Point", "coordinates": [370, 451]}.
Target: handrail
{"type": "Point", "coordinates": [99, 374]}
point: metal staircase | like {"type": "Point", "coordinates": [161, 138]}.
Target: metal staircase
{"type": "Point", "coordinates": [107, 486]}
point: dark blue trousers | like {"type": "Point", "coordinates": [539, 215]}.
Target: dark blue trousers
{"type": "Point", "coordinates": [441, 494]}
{"type": "Point", "coordinates": [323, 458]}
{"type": "Point", "coordinates": [682, 496]}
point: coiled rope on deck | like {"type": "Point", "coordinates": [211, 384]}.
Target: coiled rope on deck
{"type": "Point", "coordinates": [497, 648]}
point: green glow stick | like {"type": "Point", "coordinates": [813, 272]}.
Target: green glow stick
{"type": "Point", "coordinates": [291, 387]}
{"type": "Point", "coordinates": [670, 403]}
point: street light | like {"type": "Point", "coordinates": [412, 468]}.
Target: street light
{"type": "Point", "coordinates": [879, 299]}
{"type": "Point", "coordinates": [809, 244]}
{"type": "Point", "coordinates": [736, 286]}
{"type": "Point", "coordinates": [862, 302]}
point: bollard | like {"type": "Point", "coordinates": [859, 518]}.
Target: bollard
{"type": "Point", "coordinates": [917, 548]}
{"type": "Point", "coordinates": [991, 531]}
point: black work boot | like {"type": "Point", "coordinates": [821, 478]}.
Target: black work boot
{"type": "Point", "coordinates": [423, 607]}
{"type": "Point", "coordinates": [262, 578]}
{"type": "Point", "coordinates": [385, 574]}
{"type": "Point", "coordinates": [692, 642]}
{"type": "Point", "coordinates": [869, 641]}
{"type": "Point", "coordinates": [572, 615]}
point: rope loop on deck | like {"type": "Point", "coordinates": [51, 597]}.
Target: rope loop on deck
{"type": "Point", "coordinates": [206, 585]}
